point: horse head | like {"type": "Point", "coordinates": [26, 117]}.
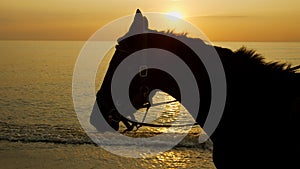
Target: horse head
{"type": "Point", "coordinates": [147, 80]}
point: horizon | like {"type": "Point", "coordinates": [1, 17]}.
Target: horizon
{"type": "Point", "coordinates": [230, 21]}
{"type": "Point", "coordinates": [70, 40]}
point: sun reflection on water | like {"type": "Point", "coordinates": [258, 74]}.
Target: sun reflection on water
{"type": "Point", "coordinates": [175, 158]}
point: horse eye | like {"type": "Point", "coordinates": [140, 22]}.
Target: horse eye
{"type": "Point", "coordinates": [143, 71]}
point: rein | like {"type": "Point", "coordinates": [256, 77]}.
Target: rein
{"type": "Point", "coordinates": [140, 124]}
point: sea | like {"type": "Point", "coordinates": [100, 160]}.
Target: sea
{"type": "Point", "coordinates": [36, 104]}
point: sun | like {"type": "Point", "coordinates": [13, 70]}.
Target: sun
{"type": "Point", "coordinates": [175, 14]}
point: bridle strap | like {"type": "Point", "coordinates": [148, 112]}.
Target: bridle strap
{"type": "Point", "coordinates": [140, 124]}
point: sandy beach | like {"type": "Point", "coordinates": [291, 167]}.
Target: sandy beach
{"type": "Point", "coordinates": [14, 155]}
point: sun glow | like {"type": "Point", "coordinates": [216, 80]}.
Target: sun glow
{"type": "Point", "coordinates": [175, 14]}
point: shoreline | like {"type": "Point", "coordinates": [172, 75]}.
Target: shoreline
{"type": "Point", "coordinates": [51, 155]}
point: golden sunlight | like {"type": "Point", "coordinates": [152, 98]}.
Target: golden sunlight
{"type": "Point", "coordinates": [175, 14]}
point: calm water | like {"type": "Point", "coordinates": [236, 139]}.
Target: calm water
{"type": "Point", "coordinates": [36, 88]}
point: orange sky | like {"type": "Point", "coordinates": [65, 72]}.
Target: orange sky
{"type": "Point", "coordinates": [220, 20]}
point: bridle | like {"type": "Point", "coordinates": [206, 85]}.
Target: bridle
{"type": "Point", "coordinates": [143, 73]}
{"type": "Point", "coordinates": [140, 124]}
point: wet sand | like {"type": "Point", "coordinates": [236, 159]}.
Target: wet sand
{"type": "Point", "coordinates": [38, 155]}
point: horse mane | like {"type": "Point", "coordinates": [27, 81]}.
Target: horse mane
{"type": "Point", "coordinates": [172, 32]}
{"type": "Point", "coordinates": [247, 55]}
{"type": "Point", "coordinates": [254, 57]}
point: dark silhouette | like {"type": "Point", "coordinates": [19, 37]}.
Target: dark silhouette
{"type": "Point", "coordinates": [260, 124]}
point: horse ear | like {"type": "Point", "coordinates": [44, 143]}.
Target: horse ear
{"type": "Point", "coordinates": [139, 24]}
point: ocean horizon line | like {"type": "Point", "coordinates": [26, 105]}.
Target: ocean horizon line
{"type": "Point", "coordinates": [69, 40]}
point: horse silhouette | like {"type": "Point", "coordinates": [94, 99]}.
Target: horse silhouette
{"type": "Point", "coordinates": [260, 122]}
